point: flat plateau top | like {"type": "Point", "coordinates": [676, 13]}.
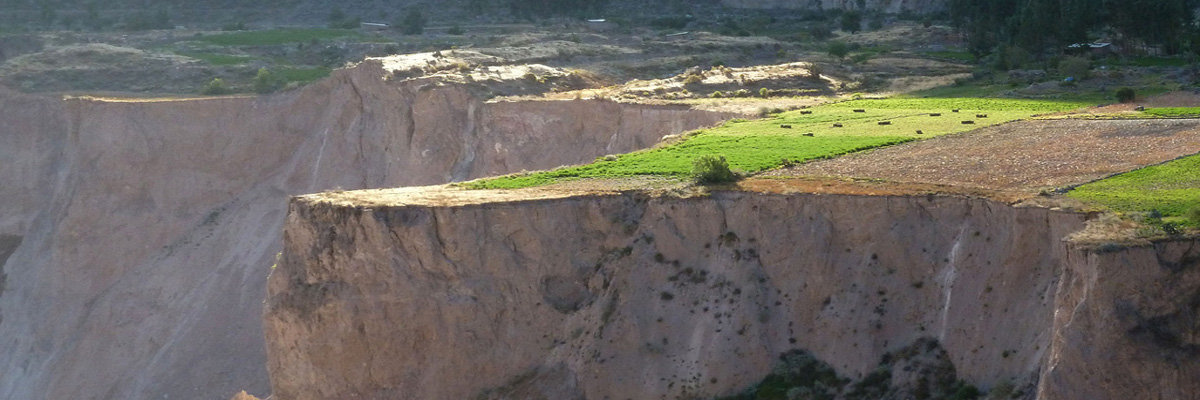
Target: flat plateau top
{"type": "Point", "coordinates": [1011, 163]}
{"type": "Point", "coordinates": [451, 196]}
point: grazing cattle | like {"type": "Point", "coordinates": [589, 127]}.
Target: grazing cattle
{"type": "Point", "coordinates": [806, 112]}
{"type": "Point", "coordinates": [968, 122]}
{"type": "Point", "coordinates": [919, 132]}
{"type": "Point", "coordinates": [954, 110]}
{"type": "Point", "coordinates": [980, 115]}
{"type": "Point", "coordinates": [935, 114]}
{"type": "Point", "coordinates": [859, 110]}
{"type": "Point", "coordinates": [837, 125]}
{"type": "Point", "coordinates": [785, 126]}
{"type": "Point", "coordinates": [808, 134]}
{"type": "Point", "coordinates": [885, 122]}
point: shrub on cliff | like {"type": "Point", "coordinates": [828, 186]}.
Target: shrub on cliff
{"type": "Point", "coordinates": [215, 87]}
{"type": "Point", "coordinates": [1194, 215]}
{"type": "Point", "coordinates": [712, 169]}
{"type": "Point", "coordinates": [266, 81]}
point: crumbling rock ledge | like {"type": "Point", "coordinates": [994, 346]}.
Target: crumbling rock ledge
{"type": "Point", "coordinates": [411, 294]}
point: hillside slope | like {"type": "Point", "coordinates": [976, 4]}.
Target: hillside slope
{"type": "Point", "coordinates": [146, 229]}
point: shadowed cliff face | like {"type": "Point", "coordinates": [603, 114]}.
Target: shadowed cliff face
{"type": "Point", "coordinates": [148, 228]}
{"type": "Point", "coordinates": [631, 296]}
{"type": "Point", "coordinates": [1128, 325]}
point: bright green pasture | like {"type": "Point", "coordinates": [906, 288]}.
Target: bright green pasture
{"type": "Point", "coordinates": [1172, 188]}
{"type": "Point", "coordinates": [1173, 112]}
{"type": "Point", "coordinates": [759, 145]}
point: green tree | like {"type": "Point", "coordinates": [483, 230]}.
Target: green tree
{"type": "Point", "coordinates": [838, 49]}
{"type": "Point", "coordinates": [413, 22]}
{"type": "Point", "coordinates": [852, 21]}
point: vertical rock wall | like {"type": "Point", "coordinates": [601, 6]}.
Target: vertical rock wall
{"type": "Point", "coordinates": [630, 296]}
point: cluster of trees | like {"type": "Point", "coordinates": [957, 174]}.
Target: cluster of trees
{"type": "Point", "coordinates": [1040, 25]}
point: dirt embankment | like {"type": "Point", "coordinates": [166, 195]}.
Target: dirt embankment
{"type": "Point", "coordinates": [636, 296]}
{"type": "Point", "coordinates": [146, 229]}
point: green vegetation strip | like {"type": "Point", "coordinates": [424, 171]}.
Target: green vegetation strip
{"type": "Point", "coordinates": [1172, 189]}
{"type": "Point", "coordinates": [302, 75]}
{"type": "Point", "coordinates": [759, 145]}
{"type": "Point", "coordinates": [217, 59]}
{"type": "Point", "coordinates": [278, 36]}
{"type": "Point", "coordinates": [1173, 112]}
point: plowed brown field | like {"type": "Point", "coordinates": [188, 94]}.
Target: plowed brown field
{"type": "Point", "coordinates": [1022, 156]}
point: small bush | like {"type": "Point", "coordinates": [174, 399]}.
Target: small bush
{"type": "Point", "coordinates": [764, 92]}
{"type": "Point", "coordinates": [712, 169]}
{"type": "Point", "coordinates": [455, 30]}
{"type": "Point", "coordinates": [1126, 95]}
{"type": "Point", "coordinates": [215, 87]}
{"type": "Point", "coordinates": [266, 81]}
{"type": "Point", "coordinates": [693, 79]}
{"type": "Point", "coordinates": [716, 94]}
{"type": "Point", "coordinates": [838, 49]}
{"type": "Point", "coordinates": [1193, 215]}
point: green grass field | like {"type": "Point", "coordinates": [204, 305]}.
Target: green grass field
{"type": "Point", "coordinates": [279, 36]}
{"type": "Point", "coordinates": [759, 145]}
{"type": "Point", "coordinates": [1172, 188]}
{"type": "Point", "coordinates": [1173, 112]}
{"type": "Point", "coordinates": [302, 75]}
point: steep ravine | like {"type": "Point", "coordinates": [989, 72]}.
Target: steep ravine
{"type": "Point", "coordinates": [144, 229]}
{"type": "Point", "coordinates": [638, 296]}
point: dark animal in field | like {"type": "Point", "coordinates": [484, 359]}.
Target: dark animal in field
{"type": "Point", "coordinates": [837, 125]}
{"type": "Point", "coordinates": [885, 122]}
{"type": "Point", "coordinates": [968, 122]}
{"type": "Point", "coordinates": [785, 126]}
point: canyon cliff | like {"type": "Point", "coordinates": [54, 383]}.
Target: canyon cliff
{"type": "Point", "coordinates": [425, 294]}
{"type": "Point", "coordinates": [136, 235]}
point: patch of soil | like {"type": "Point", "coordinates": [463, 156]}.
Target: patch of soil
{"type": "Point", "coordinates": [1025, 156]}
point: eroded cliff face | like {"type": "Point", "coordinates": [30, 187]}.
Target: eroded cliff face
{"type": "Point", "coordinates": [144, 230]}
{"type": "Point", "coordinates": [1127, 325]}
{"type": "Point", "coordinates": [635, 296]}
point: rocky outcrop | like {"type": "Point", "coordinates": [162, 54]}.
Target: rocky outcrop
{"type": "Point", "coordinates": [638, 296]}
{"type": "Point", "coordinates": [146, 228]}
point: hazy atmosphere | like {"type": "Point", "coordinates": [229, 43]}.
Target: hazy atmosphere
{"type": "Point", "coordinates": [600, 199]}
